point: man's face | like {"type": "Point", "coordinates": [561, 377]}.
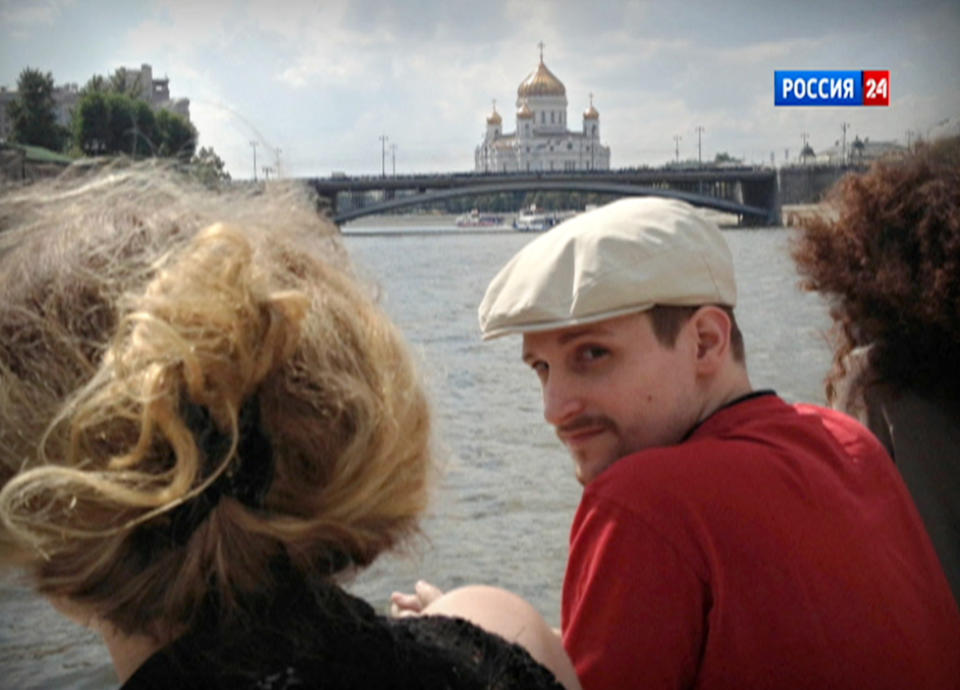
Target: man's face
{"type": "Point", "coordinates": [611, 388]}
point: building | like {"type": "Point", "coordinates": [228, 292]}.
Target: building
{"type": "Point", "coordinates": [156, 92]}
{"type": "Point", "coordinates": [64, 98]}
{"type": "Point", "coordinates": [541, 140]}
{"type": "Point", "coordinates": [860, 151]}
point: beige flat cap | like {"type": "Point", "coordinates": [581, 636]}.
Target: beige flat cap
{"type": "Point", "coordinates": [618, 259]}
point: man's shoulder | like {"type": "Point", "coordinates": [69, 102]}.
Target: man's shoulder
{"type": "Point", "coordinates": [748, 446]}
{"type": "Point", "coordinates": [663, 472]}
{"type": "Point", "coordinates": [849, 433]}
{"type": "Point", "coordinates": [723, 438]}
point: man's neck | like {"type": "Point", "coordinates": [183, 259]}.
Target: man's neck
{"type": "Point", "coordinates": [732, 384]}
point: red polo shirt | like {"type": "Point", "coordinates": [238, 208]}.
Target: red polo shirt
{"type": "Point", "coordinates": [776, 547]}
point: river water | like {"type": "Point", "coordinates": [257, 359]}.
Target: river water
{"type": "Point", "coordinates": [506, 494]}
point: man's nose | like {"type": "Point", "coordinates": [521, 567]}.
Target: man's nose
{"type": "Point", "coordinates": [561, 401]}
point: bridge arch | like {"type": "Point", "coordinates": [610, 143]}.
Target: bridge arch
{"type": "Point", "coordinates": [755, 212]}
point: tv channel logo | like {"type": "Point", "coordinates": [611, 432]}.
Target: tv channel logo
{"type": "Point", "coordinates": [831, 87]}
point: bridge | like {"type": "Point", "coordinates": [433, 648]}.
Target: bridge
{"type": "Point", "coordinates": [750, 193]}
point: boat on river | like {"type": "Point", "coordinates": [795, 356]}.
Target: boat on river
{"type": "Point", "coordinates": [531, 220]}
{"type": "Point", "coordinates": [475, 219]}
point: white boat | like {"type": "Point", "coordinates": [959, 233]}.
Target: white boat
{"type": "Point", "coordinates": [475, 219]}
{"type": "Point", "coordinates": [531, 220]}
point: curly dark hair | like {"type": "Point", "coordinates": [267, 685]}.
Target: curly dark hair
{"type": "Point", "coordinates": [886, 256]}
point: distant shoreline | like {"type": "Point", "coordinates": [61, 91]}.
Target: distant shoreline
{"type": "Point", "coordinates": [433, 223]}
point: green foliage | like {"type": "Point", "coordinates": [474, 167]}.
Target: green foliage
{"type": "Point", "coordinates": [857, 148]}
{"type": "Point", "coordinates": [145, 130]}
{"type": "Point", "coordinates": [208, 168]}
{"type": "Point", "coordinates": [33, 112]}
{"type": "Point", "coordinates": [685, 163]}
{"type": "Point", "coordinates": [91, 124]}
{"type": "Point", "coordinates": [109, 118]}
{"type": "Point", "coordinates": [120, 82]}
{"type": "Point", "coordinates": [724, 157]}
{"type": "Point", "coordinates": [177, 138]}
{"type": "Point", "coordinates": [95, 83]}
{"type": "Point", "coordinates": [107, 122]}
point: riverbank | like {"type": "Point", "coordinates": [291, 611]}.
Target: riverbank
{"type": "Point", "coordinates": [426, 223]}
{"type": "Point", "coordinates": [792, 215]}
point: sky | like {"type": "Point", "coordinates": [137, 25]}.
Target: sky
{"type": "Point", "coordinates": [317, 84]}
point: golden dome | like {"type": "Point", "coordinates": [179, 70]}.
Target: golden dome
{"type": "Point", "coordinates": [524, 112]}
{"type": "Point", "coordinates": [494, 118]}
{"type": "Point", "coordinates": [591, 112]}
{"type": "Point", "coordinates": [541, 82]}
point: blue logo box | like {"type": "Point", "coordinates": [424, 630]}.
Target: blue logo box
{"type": "Point", "coordinates": [818, 87]}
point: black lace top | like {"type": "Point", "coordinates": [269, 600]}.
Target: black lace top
{"type": "Point", "coordinates": [345, 646]}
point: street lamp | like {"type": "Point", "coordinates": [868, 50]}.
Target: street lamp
{"type": "Point", "coordinates": [843, 150]}
{"type": "Point", "coordinates": [699, 152]}
{"type": "Point", "coordinates": [676, 143]}
{"type": "Point", "coordinates": [253, 145]}
{"type": "Point", "coordinates": [383, 155]}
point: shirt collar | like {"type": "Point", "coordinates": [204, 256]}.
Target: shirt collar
{"type": "Point", "coordinates": [726, 406]}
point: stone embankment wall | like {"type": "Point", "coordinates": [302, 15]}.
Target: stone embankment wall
{"type": "Point", "coordinates": [807, 184]}
{"type": "Point", "coordinates": [800, 189]}
{"type": "Point", "coordinates": [17, 168]}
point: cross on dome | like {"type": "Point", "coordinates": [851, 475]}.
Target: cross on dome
{"type": "Point", "coordinates": [494, 118]}
{"type": "Point", "coordinates": [540, 82]}
{"type": "Point", "coordinates": [591, 112]}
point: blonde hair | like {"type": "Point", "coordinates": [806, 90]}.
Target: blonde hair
{"type": "Point", "coordinates": [131, 297]}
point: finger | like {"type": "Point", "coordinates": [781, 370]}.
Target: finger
{"type": "Point", "coordinates": [406, 601]}
{"type": "Point", "coordinates": [427, 593]}
{"type": "Point", "coordinates": [397, 612]}
{"type": "Point", "coordinates": [405, 604]}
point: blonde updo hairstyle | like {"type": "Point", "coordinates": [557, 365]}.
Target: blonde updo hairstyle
{"type": "Point", "coordinates": [130, 297]}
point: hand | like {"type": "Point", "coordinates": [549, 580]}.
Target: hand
{"type": "Point", "coordinates": [402, 605]}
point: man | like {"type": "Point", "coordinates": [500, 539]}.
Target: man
{"type": "Point", "coordinates": [725, 539]}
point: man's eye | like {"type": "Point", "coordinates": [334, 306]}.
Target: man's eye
{"type": "Point", "coordinates": [589, 354]}
{"type": "Point", "coordinates": [539, 367]}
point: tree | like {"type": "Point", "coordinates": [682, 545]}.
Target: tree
{"type": "Point", "coordinates": [94, 83]}
{"type": "Point", "coordinates": [141, 137]}
{"type": "Point", "coordinates": [106, 122]}
{"type": "Point", "coordinates": [33, 112]}
{"type": "Point", "coordinates": [176, 136]}
{"type": "Point", "coordinates": [807, 153]}
{"type": "Point", "coordinates": [112, 118]}
{"type": "Point", "coordinates": [724, 157]}
{"type": "Point", "coordinates": [91, 123]}
{"type": "Point", "coordinates": [858, 147]}
{"type": "Point", "coordinates": [120, 82]}
{"type": "Point", "coordinates": [208, 167]}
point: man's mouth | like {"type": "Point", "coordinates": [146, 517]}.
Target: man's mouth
{"type": "Point", "coordinates": [582, 430]}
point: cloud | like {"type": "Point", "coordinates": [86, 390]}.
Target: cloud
{"type": "Point", "coordinates": [323, 80]}
{"type": "Point", "coordinates": [20, 19]}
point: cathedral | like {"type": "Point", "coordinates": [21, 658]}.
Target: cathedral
{"type": "Point", "coordinates": [542, 141]}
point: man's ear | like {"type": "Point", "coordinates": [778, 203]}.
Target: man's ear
{"type": "Point", "coordinates": [711, 327]}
